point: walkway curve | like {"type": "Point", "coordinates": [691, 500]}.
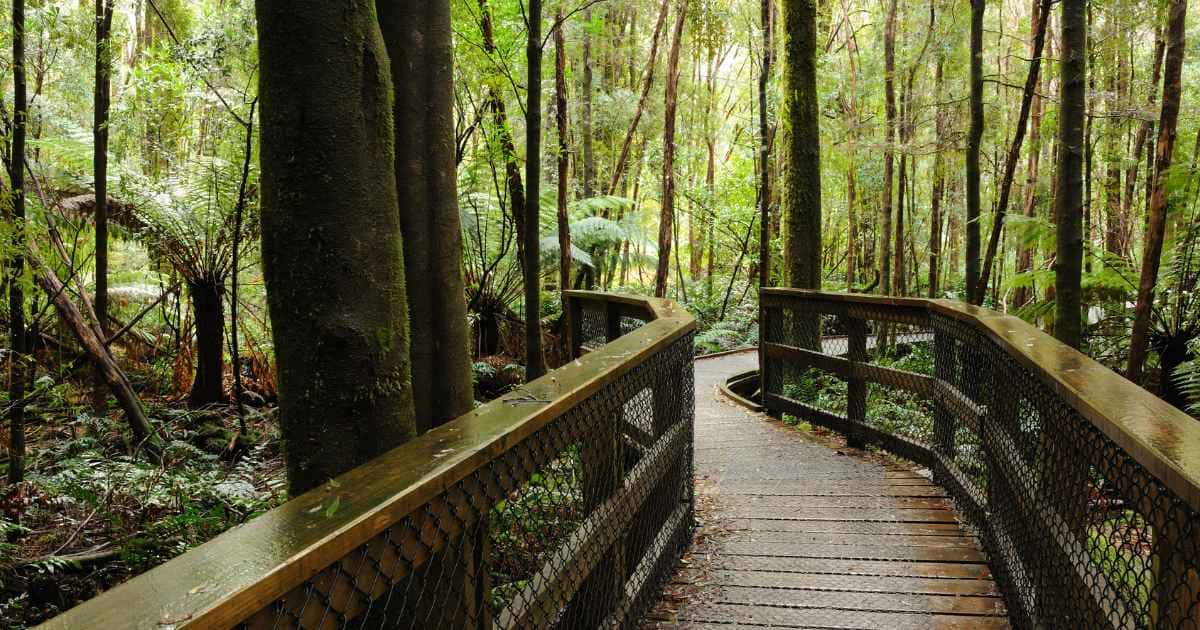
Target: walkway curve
{"type": "Point", "coordinates": [800, 532]}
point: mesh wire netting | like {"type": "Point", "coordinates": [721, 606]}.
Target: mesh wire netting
{"type": "Point", "coordinates": [576, 526]}
{"type": "Point", "coordinates": [1080, 534]}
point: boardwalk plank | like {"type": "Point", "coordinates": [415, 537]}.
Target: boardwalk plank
{"type": "Point", "coordinates": [813, 537]}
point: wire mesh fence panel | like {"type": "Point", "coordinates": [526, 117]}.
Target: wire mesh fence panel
{"type": "Point", "coordinates": [1081, 533]}
{"type": "Point", "coordinates": [564, 504]}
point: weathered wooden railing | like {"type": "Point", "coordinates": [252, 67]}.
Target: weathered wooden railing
{"type": "Point", "coordinates": [1084, 488]}
{"type": "Point", "coordinates": [563, 504]}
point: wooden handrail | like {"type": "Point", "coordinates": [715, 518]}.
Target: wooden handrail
{"type": "Point", "coordinates": [1163, 439]}
{"type": "Point", "coordinates": [222, 582]}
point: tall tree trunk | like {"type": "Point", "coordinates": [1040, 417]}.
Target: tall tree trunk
{"type": "Point", "coordinates": [1068, 203]}
{"type": "Point", "coordinates": [665, 225]}
{"type": "Point", "coordinates": [974, 139]}
{"type": "Point", "coordinates": [889, 145]}
{"type": "Point", "coordinates": [1025, 253]}
{"type": "Point", "coordinates": [852, 219]}
{"type": "Point", "coordinates": [208, 386]}
{"type": "Point", "coordinates": [1157, 219]}
{"type": "Point", "coordinates": [764, 147]}
{"type": "Point", "coordinates": [418, 37]}
{"type": "Point", "coordinates": [104, 18]}
{"type": "Point", "coordinates": [939, 184]}
{"type": "Point", "coordinates": [647, 83]}
{"type": "Point", "coordinates": [589, 151]}
{"type": "Point", "coordinates": [564, 152]}
{"type": "Point", "coordinates": [803, 184]}
{"type": "Point", "coordinates": [16, 264]}
{"type": "Point", "coordinates": [1014, 150]}
{"type": "Point", "coordinates": [1113, 228]}
{"type": "Point", "coordinates": [899, 285]}
{"type": "Point", "coordinates": [332, 255]}
{"type": "Point", "coordinates": [535, 363]}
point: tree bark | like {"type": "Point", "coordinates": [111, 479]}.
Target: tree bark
{"type": "Point", "coordinates": [535, 363]}
{"type": "Point", "coordinates": [803, 184]}
{"type": "Point", "coordinates": [18, 338]}
{"type": "Point", "coordinates": [665, 224]}
{"type": "Point", "coordinates": [418, 37]}
{"type": "Point", "coordinates": [332, 255]}
{"type": "Point", "coordinates": [1014, 150]}
{"type": "Point", "coordinates": [647, 83]}
{"type": "Point", "coordinates": [974, 139]}
{"type": "Point", "coordinates": [1141, 142]}
{"type": "Point", "coordinates": [1068, 203]}
{"type": "Point", "coordinates": [1157, 219]}
{"type": "Point", "coordinates": [564, 152]}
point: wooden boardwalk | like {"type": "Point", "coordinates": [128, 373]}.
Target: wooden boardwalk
{"type": "Point", "coordinates": [801, 533]}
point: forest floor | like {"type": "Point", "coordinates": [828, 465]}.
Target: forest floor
{"type": "Point", "coordinates": [89, 515]}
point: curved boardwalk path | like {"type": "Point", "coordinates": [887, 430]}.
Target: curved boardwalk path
{"type": "Point", "coordinates": [800, 532]}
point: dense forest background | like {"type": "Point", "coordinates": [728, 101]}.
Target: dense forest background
{"type": "Point", "coordinates": [131, 234]}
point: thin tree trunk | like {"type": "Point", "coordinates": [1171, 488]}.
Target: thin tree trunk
{"type": "Point", "coordinates": [419, 41]}
{"type": "Point", "coordinates": [764, 148]}
{"type": "Point", "coordinates": [503, 134]}
{"type": "Point", "coordinates": [98, 353]}
{"type": "Point", "coordinates": [647, 83]}
{"type": "Point", "coordinates": [974, 139]}
{"type": "Point", "coordinates": [1014, 150]}
{"type": "Point", "coordinates": [1024, 252]}
{"type": "Point", "coordinates": [939, 184]}
{"type": "Point", "coordinates": [889, 145]}
{"type": "Point", "coordinates": [1068, 203]}
{"type": "Point", "coordinates": [1157, 220]}
{"type": "Point", "coordinates": [104, 18]}
{"type": "Point", "coordinates": [332, 244]}
{"type": "Point", "coordinates": [238, 214]}
{"type": "Point", "coordinates": [535, 363]}
{"type": "Point", "coordinates": [665, 225]}
{"type": "Point", "coordinates": [564, 152]}
{"type": "Point", "coordinates": [589, 151]}
{"type": "Point", "coordinates": [16, 265]}
{"type": "Point", "coordinates": [1141, 142]}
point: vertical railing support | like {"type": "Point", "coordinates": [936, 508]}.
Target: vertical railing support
{"type": "Point", "coordinates": [944, 358]}
{"type": "Point", "coordinates": [612, 322]}
{"type": "Point", "coordinates": [856, 403]}
{"type": "Point", "coordinates": [574, 327]}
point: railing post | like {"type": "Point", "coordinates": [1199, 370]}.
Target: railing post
{"type": "Point", "coordinates": [856, 403]}
{"type": "Point", "coordinates": [765, 370]}
{"type": "Point", "coordinates": [574, 326]}
{"type": "Point", "coordinates": [944, 359]}
{"type": "Point", "coordinates": [612, 322]}
{"type": "Point", "coordinates": [1176, 579]}
{"type": "Point", "coordinates": [603, 461]}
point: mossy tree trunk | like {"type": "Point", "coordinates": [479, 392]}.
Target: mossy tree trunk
{"type": "Point", "coordinates": [535, 363]}
{"type": "Point", "coordinates": [802, 186]}
{"type": "Point", "coordinates": [418, 38]}
{"type": "Point", "coordinates": [332, 256]}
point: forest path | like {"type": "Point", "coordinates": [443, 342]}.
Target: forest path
{"type": "Point", "coordinates": [798, 531]}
